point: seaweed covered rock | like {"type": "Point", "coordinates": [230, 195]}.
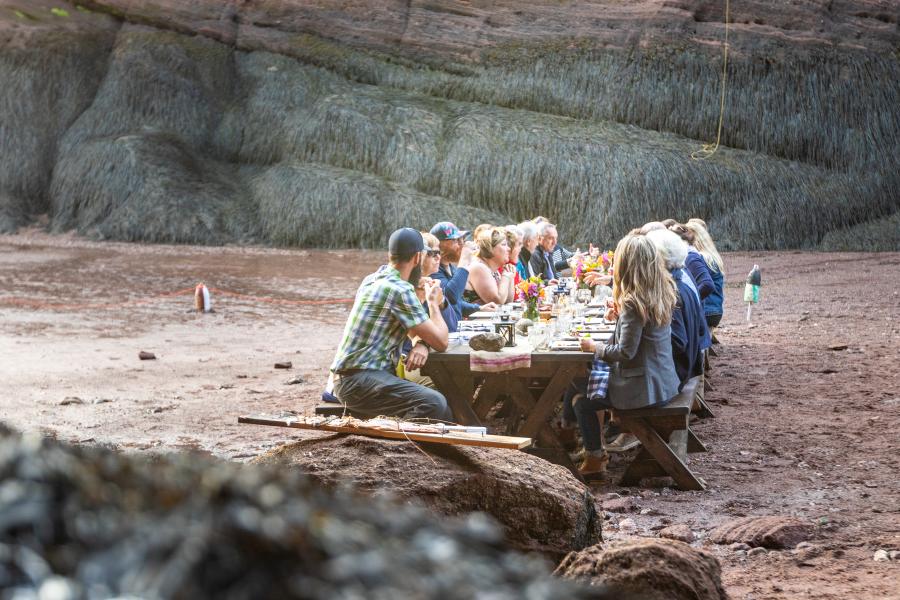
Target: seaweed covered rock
{"type": "Point", "coordinates": [540, 505]}
{"type": "Point", "coordinates": [765, 532]}
{"type": "Point", "coordinates": [90, 523]}
{"type": "Point", "coordinates": [649, 569]}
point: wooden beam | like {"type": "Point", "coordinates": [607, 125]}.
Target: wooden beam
{"type": "Point", "coordinates": [456, 438]}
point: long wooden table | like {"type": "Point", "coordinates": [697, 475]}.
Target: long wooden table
{"type": "Point", "coordinates": [535, 393]}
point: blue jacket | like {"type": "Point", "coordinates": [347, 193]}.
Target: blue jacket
{"type": "Point", "coordinates": [688, 331]}
{"type": "Point", "coordinates": [712, 304]}
{"type": "Point", "coordinates": [699, 271]}
{"type": "Point", "coordinates": [453, 283]}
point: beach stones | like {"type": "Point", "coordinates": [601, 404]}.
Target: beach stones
{"type": "Point", "coordinates": [489, 342]}
{"type": "Point", "coordinates": [648, 569]}
{"type": "Point", "coordinates": [765, 532]}
{"type": "Point", "coordinates": [81, 522]}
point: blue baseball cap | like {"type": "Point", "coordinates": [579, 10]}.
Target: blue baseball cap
{"type": "Point", "coordinates": [405, 242]}
{"type": "Point", "coordinates": [445, 230]}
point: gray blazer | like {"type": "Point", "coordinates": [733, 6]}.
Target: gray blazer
{"type": "Point", "coordinates": [641, 369]}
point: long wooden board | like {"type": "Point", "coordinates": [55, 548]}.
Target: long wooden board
{"type": "Point", "coordinates": [459, 439]}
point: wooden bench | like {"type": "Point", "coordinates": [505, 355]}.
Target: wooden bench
{"type": "Point", "coordinates": [666, 439]}
{"type": "Point", "coordinates": [700, 407]}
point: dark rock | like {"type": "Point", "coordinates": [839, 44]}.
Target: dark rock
{"type": "Point", "coordinates": [680, 532]}
{"type": "Point", "coordinates": [765, 532]}
{"type": "Point", "coordinates": [295, 380]}
{"type": "Point", "coordinates": [78, 519]}
{"type": "Point", "coordinates": [540, 505]}
{"type": "Point", "coordinates": [68, 400]}
{"type": "Point", "coordinates": [838, 347]}
{"type": "Point", "coordinates": [620, 505]}
{"type": "Point", "coordinates": [490, 342]}
{"type": "Point", "coordinates": [648, 569]}
{"type": "Point", "coordinates": [146, 355]}
{"type": "Point", "coordinates": [284, 365]}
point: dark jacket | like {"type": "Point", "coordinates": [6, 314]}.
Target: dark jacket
{"type": "Point", "coordinates": [641, 369]}
{"type": "Point", "coordinates": [712, 304]}
{"type": "Point", "coordinates": [698, 269]}
{"type": "Point", "coordinates": [453, 283]}
{"type": "Point", "coordinates": [541, 266]}
{"type": "Point", "coordinates": [524, 265]}
{"type": "Point", "coordinates": [688, 330]}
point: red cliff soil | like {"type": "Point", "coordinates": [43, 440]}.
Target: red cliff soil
{"type": "Point", "coordinates": [801, 430]}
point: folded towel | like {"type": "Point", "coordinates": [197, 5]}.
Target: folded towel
{"type": "Point", "coordinates": [497, 362]}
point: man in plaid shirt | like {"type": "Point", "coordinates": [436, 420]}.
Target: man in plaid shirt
{"type": "Point", "coordinates": [384, 313]}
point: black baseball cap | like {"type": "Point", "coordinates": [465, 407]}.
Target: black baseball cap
{"type": "Point", "coordinates": [404, 243]}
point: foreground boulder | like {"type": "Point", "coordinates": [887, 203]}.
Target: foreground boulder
{"type": "Point", "coordinates": [763, 532]}
{"type": "Point", "coordinates": [90, 523]}
{"type": "Point", "coordinates": [648, 569]}
{"type": "Point", "coordinates": [541, 506]}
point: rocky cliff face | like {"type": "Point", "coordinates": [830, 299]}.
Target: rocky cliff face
{"type": "Point", "coordinates": [327, 123]}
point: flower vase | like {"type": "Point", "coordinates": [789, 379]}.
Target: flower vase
{"type": "Point", "coordinates": [531, 310]}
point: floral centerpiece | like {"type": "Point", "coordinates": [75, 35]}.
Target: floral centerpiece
{"type": "Point", "coordinates": [601, 263]}
{"type": "Point", "coordinates": [530, 291]}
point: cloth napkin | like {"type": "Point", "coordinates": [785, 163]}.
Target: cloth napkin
{"type": "Point", "coordinates": [496, 362]}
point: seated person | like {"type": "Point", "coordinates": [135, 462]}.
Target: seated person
{"type": "Point", "coordinates": [688, 322]}
{"type": "Point", "coordinates": [384, 313]}
{"type": "Point", "coordinates": [456, 255]}
{"type": "Point", "coordinates": [542, 258]}
{"type": "Point", "coordinates": [530, 238]}
{"type": "Point", "coordinates": [635, 369]}
{"type": "Point", "coordinates": [452, 289]}
{"type": "Point", "coordinates": [712, 304]}
{"type": "Point", "coordinates": [514, 241]}
{"type": "Point", "coordinates": [491, 278]}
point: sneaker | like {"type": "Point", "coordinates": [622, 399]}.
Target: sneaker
{"type": "Point", "coordinates": [623, 443]}
{"type": "Point", "coordinates": [593, 467]}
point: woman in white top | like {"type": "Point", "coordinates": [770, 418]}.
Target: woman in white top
{"type": "Point", "coordinates": [491, 278]}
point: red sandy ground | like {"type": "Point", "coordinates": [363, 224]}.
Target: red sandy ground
{"type": "Point", "coordinates": [800, 429]}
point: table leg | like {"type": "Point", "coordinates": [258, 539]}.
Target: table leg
{"type": "Point", "coordinates": [460, 400]}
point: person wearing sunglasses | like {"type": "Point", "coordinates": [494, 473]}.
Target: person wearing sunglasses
{"type": "Point", "coordinates": [453, 267]}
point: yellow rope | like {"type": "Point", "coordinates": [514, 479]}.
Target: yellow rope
{"type": "Point", "coordinates": [709, 149]}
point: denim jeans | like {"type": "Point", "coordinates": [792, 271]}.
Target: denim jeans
{"type": "Point", "coordinates": [373, 393]}
{"type": "Point", "coordinates": [586, 414]}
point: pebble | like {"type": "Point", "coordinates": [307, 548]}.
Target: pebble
{"type": "Point", "coordinates": [757, 552]}
{"type": "Point", "coordinates": [627, 524]}
{"type": "Point", "coordinates": [894, 554]}
{"type": "Point", "coordinates": [803, 546]}
{"type": "Point", "coordinates": [737, 546]}
{"type": "Point", "coordinates": [881, 556]}
{"type": "Point", "coordinates": [295, 380]}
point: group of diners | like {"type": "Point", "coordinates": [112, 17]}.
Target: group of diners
{"type": "Point", "coordinates": [666, 297]}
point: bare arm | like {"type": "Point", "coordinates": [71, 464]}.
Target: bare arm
{"type": "Point", "coordinates": [481, 280]}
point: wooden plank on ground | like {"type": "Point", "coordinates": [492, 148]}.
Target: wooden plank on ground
{"type": "Point", "coordinates": [455, 438]}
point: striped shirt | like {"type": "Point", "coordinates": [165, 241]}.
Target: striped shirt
{"type": "Point", "coordinates": [385, 308]}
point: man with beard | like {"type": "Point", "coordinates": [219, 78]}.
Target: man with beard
{"type": "Point", "coordinates": [453, 271]}
{"type": "Point", "coordinates": [384, 313]}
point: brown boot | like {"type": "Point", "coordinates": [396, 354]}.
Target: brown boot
{"type": "Point", "coordinates": [593, 467]}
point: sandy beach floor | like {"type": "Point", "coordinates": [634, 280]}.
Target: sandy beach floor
{"type": "Point", "coordinates": [807, 398]}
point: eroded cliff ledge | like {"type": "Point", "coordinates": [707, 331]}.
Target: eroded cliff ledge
{"type": "Point", "coordinates": [329, 123]}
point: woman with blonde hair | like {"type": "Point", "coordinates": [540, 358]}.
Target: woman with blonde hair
{"type": "Point", "coordinates": [491, 277]}
{"type": "Point", "coordinates": [635, 369]}
{"type": "Point", "coordinates": [703, 243]}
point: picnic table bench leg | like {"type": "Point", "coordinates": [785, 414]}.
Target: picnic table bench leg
{"type": "Point", "coordinates": [539, 416]}
{"type": "Point", "coordinates": [700, 407]}
{"type": "Point", "coordinates": [460, 400]}
{"type": "Point", "coordinates": [486, 396]}
{"type": "Point", "coordinates": [551, 448]}
{"type": "Point", "coordinates": [667, 458]}
{"type": "Point", "coordinates": [694, 444]}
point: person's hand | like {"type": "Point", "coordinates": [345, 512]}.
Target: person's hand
{"type": "Point", "coordinates": [466, 254]}
{"type": "Point", "coordinates": [417, 357]}
{"type": "Point", "coordinates": [509, 270]}
{"type": "Point", "coordinates": [433, 292]}
{"type": "Point", "coordinates": [588, 345]}
{"type": "Point", "coordinates": [553, 282]}
{"type": "Point", "coordinates": [593, 278]}
{"type": "Point", "coordinates": [611, 314]}
{"type": "Point", "coordinates": [490, 306]}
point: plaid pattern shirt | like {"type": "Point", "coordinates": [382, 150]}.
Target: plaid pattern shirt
{"type": "Point", "coordinates": [598, 380]}
{"type": "Point", "coordinates": [385, 308]}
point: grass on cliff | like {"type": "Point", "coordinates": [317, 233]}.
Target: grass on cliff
{"type": "Point", "coordinates": [188, 141]}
